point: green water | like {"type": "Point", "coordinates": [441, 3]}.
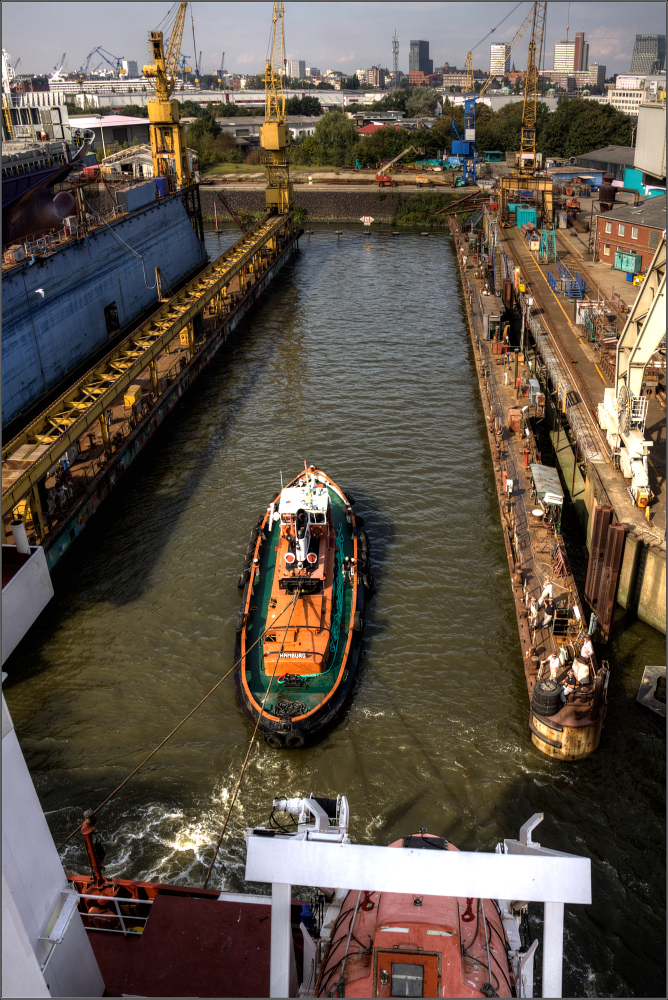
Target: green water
{"type": "Point", "coordinates": [357, 360]}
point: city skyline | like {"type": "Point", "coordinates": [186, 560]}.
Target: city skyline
{"type": "Point", "coordinates": [318, 34]}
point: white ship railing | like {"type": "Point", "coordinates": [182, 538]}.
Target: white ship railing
{"type": "Point", "coordinates": [117, 915]}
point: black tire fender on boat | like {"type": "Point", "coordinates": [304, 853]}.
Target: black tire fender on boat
{"type": "Point", "coordinates": [358, 622]}
{"type": "Point", "coordinates": [295, 741]}
{"type": "Point", "coordinates": [244, 578]}
{"type": "Point", "coordinates": [367, 580]}
{"type": "Point", "coordinates": [359, 521]}
{"type": "Point", "coordinates": [363, 543]}
{"type": "Point", "coordinates": [273, 739]}
{"type": "Point", "coordinates": [349, 498]}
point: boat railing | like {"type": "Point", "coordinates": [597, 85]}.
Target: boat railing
{"type": "Point", "coordinates": [119, 922]}
{"type": "Point", "coordinates": [46, 241]}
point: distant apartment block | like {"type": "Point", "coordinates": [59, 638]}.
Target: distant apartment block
{"type": "Point", "coordinates": [649, 54]}
{"type": "Point", "coordinates": [375, 77]}
{"type": "Point", "coordinates": [499, 58]}
{"type": "Point", "coordinates": [296, 69]}
{"type": "Point", "coordinates": [312, 71]}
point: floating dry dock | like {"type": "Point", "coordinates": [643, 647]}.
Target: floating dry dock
{"type": "Point", "coordinates": [103, 421]}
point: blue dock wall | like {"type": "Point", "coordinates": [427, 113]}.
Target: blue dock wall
{"type": "Point", "coordinates": [53, 308]}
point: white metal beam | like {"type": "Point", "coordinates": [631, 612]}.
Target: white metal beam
{"type": "Point", "coordinates": [534, 877]}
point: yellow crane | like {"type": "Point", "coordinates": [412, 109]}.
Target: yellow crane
{"type": "Point", "coordinates": [168, 136]}
{"type": "Point", "coordinates": [529, 112]}
{"type": "Point", "coordinates": [275, 134]}
{"type": "Point", "coordinates": [499, 65]}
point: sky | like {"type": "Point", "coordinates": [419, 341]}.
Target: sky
{"type": "Point", "coordinates": [340, 36]}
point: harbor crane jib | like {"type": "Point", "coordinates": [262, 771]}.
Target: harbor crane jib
{"type": "Point", "coordinates": [168, 137]}
{"type": "Point", "coordinates": [275, 134]}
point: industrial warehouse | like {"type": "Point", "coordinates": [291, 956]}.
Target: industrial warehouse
{"type": "Point", "coordinates": [334, 502]}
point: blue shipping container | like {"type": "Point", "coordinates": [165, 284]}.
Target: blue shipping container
{"type": "Point", "coordinates": [162, 185]}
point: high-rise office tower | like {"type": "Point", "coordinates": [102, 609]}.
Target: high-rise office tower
{"type": "Point", "coordinates": [649, 54]}
{"type": "Point", "coordinates": [571, 57]}
{"type": "Point", "coordinates": [418, 57]}
{"type": "Point", "coordinates": [499, 58]}
{"type": "Point", "coordinates": [296, 69]}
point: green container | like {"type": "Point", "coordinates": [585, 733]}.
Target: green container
{"type": "Point", "coordinates": [628, 262]}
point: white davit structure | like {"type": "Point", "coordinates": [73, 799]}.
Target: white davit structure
{"type": "Point", "coordinates": [319, 853]}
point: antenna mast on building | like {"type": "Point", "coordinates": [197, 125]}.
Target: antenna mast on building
{"type": "Point", "coordinates": [395, 58]}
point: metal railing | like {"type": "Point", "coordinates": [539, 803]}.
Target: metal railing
{"type": "Point", "coordinates": [137, 923]}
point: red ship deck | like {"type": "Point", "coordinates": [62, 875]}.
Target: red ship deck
{"type": "Point", "coordinates": [191, 946]}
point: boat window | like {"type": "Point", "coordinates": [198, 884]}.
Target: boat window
{"type": "Point", "coordinates": [407, 980]}
{"type": "Point", "coordinates": [317, 517]}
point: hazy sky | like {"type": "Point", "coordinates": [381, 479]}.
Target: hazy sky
{"type": "Point", "coordinates": [344, 36]}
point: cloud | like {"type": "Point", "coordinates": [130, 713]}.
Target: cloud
{"type": "Point", "coordinates": [246, 58]}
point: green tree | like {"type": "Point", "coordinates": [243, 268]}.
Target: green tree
{"type": "Point", "coordinates": [350, 83]}
{"type": "Point", "coordinates": [302, 106]}
{"type": "Point", "coordinates": [421, 103]}
{"type": "Point", "coordinates": [190, 109]}
{"type": "Point", "coordinates": [231, 110]}
{"type": "Point", "coordinates": [578, 126]}
{"type": "Point", "coordinates": [135, 111]}
{"type": "Point", "coordinates": [335, 134]}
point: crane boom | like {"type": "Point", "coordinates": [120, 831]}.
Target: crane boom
{"type": "Point", "coordinates": [502, 56]}
{"type": "Point", "coordinates": [385, 169]}
{"type": "Point", "coordinates": [530, 108]}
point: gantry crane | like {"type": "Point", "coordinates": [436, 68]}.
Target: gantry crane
{"type": "Point", "coordinates": [168, 136]}
{"type": "Point", "coordinates": [275, 134]}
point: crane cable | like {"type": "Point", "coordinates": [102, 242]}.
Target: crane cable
{"type": "Point", "coordinates": [185, 719]}
{"type": "Point", "coordinates": [492, 30]}
{"type": "Point", "coordinates": [252, 741]}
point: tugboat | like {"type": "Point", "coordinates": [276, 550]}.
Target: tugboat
{"type": "Point", "coordinates": [299, 633]}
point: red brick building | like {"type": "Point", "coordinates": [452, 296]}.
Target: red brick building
{"type": "Point", "coordinates": [631, 229]}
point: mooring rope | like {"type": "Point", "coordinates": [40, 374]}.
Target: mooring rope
{"type": "Point", "coordinates": [252, 741]}
{"type": "Point", "coordinates": [185, 719]}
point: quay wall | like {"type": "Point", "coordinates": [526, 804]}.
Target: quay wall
{"type": "Point", "coordinates": [53, 307]}
{"type": "Point", "coordinates": [642, 577]}
{"type": "Point", "coordinates": [322, 206]}
{"type": "Point", "coordinates": [108, 477]}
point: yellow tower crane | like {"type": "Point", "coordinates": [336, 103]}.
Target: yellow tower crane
{"type": "Point", "coordinates": [168, 138]}
{"type": "Point", "coordinates": [529, 112]}
{"type": "Point", "coordinates": [526, 179]}
{"type": "Point", "coordinates": [275, 134]}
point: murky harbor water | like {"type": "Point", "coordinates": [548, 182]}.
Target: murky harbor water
{"type": "Point", "coordinates": [357, 359]}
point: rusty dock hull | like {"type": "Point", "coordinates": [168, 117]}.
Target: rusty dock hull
{"type": "Point", "coordinates": [533, 551]}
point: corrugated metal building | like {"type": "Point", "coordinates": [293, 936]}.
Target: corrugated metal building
{"type": "Point", "coordinates": [609, 160]}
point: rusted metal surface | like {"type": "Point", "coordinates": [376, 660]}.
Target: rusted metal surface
{"type": "Point", "coordinates": [607, 591]}
{"type": "Point", "coordinates": [602, 516]}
